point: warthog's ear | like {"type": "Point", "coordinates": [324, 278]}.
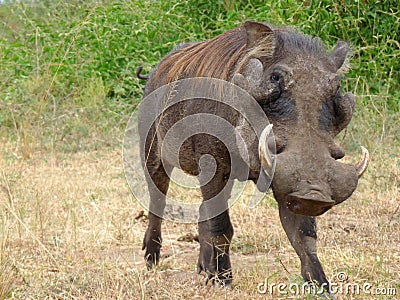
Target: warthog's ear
{"type": "Point", "coordinates": [256, 32]}
{"type": "Point", "coordinates": [260, 39]}
{"type": "Point", "coordinates": [339, 55]}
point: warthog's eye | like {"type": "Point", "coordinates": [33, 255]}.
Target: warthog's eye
{"type": "Point", "coordinates": [274, 84]}
{"type": "Point", "coordinates": [275, 77]}
{"type": "Point", "coordinates": [281, 76]}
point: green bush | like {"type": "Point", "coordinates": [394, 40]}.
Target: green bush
{"type": "Point", "coordinates": [74, 62]}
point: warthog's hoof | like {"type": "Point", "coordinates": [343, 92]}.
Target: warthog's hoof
{"type": "Point", "coordinates": [152, 244]}
{"type": "Point", "coordinates": [216, 264]}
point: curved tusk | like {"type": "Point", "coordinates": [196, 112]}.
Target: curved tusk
{"type": "Point", "coordinates": [263, 152]}
{"type": "Point", "coordinates": [362, 165]}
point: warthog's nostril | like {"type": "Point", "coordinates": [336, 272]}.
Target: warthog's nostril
{"type": "Point", "coordinates": [312, 203]}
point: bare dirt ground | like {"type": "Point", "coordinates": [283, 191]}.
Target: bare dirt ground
{"type": "Point", "coordinates": [70, 229]}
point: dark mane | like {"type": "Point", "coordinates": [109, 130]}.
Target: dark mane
{"type": "Point", "coordinates": [226, 53]}
{"type": "Point", "coordinates": [214, 58]}
{"type": "Point", "coordinates": [290, 40]}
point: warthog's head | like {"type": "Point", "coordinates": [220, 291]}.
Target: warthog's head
{"type": "Point", "coordinates": [298, 86]}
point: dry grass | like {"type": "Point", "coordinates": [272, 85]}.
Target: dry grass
{"type": "Point", "coordinates": [68, 231]}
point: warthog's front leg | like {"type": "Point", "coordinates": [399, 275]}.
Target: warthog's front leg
{"type": "Point", "coordinates": [215, 232]}
{"type": "Point", "coordinates": [302, 233]}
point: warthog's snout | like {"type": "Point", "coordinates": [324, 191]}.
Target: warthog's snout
{"type": "Point", "coordinates": [312, 185]}
{"type": "Point", "coordinates": [310, 199]}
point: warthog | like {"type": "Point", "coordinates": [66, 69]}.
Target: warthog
{"type": "Point", "coordinates": [297, 85]}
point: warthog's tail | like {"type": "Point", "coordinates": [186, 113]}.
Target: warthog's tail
{"type": "Point", "coordinates": [140, 76]}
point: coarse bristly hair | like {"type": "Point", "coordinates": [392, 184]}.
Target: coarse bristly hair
{"type": "Point", "coordinates": [226, 54]}
{"type": "Point", "coordinates": [214, 58]}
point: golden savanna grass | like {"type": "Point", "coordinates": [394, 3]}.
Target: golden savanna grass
{"type": "Point", "coordinates": [70, 229]}
{"type": "Point", "coordinates": [69, 225]}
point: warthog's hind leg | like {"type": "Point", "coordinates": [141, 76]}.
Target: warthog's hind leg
{"type": "Point", "coordinates": [158, 182]}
